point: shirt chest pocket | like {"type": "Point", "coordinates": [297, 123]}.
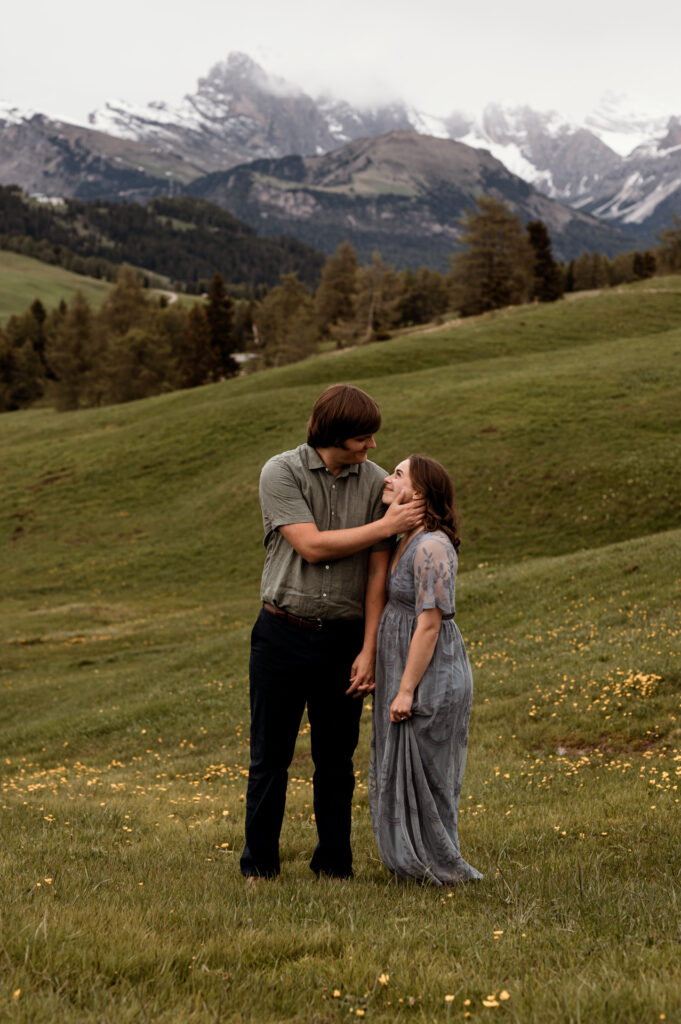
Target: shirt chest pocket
{"type": "Point", "coordinates": [347, 509]}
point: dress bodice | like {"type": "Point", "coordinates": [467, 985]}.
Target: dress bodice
{"type": "Point", "coordinates": [425, 574]}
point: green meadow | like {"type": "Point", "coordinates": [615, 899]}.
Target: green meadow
{"type": "Point", "coordinates": [131, 556]}
{"type": "Point", "coordinates": [23, 279]}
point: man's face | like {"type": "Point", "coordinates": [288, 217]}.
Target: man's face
{"type": "Point", "coordinates": [355, 449]}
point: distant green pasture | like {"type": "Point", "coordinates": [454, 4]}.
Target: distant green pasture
{"type": "Point", "coordinates": [23, 279]}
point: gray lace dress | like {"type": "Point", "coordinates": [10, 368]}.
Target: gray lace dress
{"type": "Point", "coordinates": [417, 766]}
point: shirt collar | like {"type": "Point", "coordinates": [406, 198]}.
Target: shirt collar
{"type": "Point", "coordinates": [315, 461]}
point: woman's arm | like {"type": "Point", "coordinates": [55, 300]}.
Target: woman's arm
{"type": "Point", "coordinates": [362, 673]}
{"type": "Point", "coordinates": [420, 652]}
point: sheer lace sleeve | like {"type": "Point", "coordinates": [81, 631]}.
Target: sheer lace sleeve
{"type": "Point", "coordinates": [435, 565]}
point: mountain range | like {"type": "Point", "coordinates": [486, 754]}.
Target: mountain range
{"type": "Point", "coordinates": [402, 194]}
{"type": "Point", "coordinates": [614, 177]}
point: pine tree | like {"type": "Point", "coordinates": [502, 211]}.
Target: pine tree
{"type": "Point", "coordinates": [74, 356]}
{"type": "Point", "coordinates": [583, 272]}
{"type": "Point", "coordinates": [669, 251]}
{"type": "Point", "coordinates": [649, 264]}
{"type": "Point", "coordinates": [284, 323]}
{"type": "Point", "coordinates": [126, 305]}
{"type": "Point", "coordinates": [336, 296]}
{"type": "Point", "coordinates": [570, 277]}
{"type": "Point", "coordinates": [194, 356]}
{"type": "Point", "coordinates": [25, 334]}
{"type": "Point", "coordinates": [376, 304]}
{"type": "Point", "coordinates": [8, 373]}
{"type": "Point", "coordinates": [243, 324]}
{"type": "Point", "coordinates": [496, 268]}
{"type": "Point", "coordinates": [601, 270]}
{"type": "Point", "coordinates": [637, 266]}
{"type": "Point", "coordinates": [548, 280]}
{"type": "Point", "coordinates": [622, 268]}
{"type": "Point", "coordinates": [137, 364]}
{"type": "Point", "coordinates": [39, 314]}
{"type": "Point", "coordinates": [423, 295]}
{"type": "Point", "coordinates": [409, 298]}
{"type": "Point", "coordinates": [220, 316]}
{"type": "Point", "coordinates": [134, 336]}
{"type": "Point", "coordinates": [171, 321]}
{"type": "Point", "coordinates": [21, 374]}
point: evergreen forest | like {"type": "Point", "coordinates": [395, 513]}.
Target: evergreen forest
{"type": "Point", "coordinates": [175, 239]}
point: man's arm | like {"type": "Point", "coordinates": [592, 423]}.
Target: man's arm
{"type": "Point", "coordinates": [363, 668]}
{"type": "Point", "coordinates": [315, 545]}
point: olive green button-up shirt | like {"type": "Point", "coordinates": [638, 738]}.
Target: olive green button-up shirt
{"type": "Point", "coordinates": [296, 487]}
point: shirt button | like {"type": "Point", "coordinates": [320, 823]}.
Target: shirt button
{"type": "Point", "coordinates": [323, 595]}
{"type": "Point", "coordinates": [326, 567]}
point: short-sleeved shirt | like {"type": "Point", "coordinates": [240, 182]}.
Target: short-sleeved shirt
{"type": "Point", "coordinates": [296, 487]}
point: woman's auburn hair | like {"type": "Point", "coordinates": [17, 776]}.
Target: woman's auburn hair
{"type": "Point", "coordinates": [431, 480]}
{"type": "Point", "coordinates": [340, 412]}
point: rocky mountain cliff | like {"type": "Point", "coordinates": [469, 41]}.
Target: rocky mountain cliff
{"type": "Point", "coordinates": [401, 193]}
{"type": "Point", "coordinates": [622, 167]}
{"type": "Point", "coordinates": [239, 113]}
{"type": "Point", "coordinates": [53, 158]}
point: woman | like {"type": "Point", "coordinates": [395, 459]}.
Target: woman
{"type": "Point", "coordinates": [423, 694]}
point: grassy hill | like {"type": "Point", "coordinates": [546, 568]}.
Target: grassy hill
{"type": "Point", "coordinates": [131, 559]}
{"type": "Point", "coordinates": [23, 279]}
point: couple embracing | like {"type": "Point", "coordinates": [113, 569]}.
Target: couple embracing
{"type": "Point", "coordinates": [349, 609]}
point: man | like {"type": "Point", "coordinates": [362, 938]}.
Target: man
{"type": "Point", "coordinates": [314, 642]}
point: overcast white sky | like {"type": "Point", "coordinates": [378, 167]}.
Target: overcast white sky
{"type": "Point", "coordinates": [68, 57]}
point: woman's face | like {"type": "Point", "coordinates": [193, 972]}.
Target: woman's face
{"type": "Point", "coordinates": [398, 484]}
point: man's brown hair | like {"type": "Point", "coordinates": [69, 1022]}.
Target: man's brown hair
{"type": "Point", "coordinates": [341, 412]}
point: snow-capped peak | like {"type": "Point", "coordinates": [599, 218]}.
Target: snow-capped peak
{"type": "Point", "coordinates": [12, 115]}
{"type": "Point", "coordinates": [428, 124]}
{"type": "Point", "coordinates": [242, 69]}
{"type": "Point", "coordinates": [623, 127]}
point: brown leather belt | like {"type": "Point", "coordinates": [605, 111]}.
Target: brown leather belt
{"type": "Point", "coordinates": [295, 620]}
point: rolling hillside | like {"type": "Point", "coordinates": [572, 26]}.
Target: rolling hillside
{"type": "Point", "coordinates": [588, 387]}
{"type": "Point", "coordinates": [132, 553]}
{"type": "Point", "coordinates": [23, 279]}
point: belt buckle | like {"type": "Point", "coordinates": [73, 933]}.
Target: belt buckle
{"type": "Point", "coordinates": [318, 624]}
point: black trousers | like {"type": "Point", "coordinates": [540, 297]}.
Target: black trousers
{"type": "Point", "coordinates": [289, 668]}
